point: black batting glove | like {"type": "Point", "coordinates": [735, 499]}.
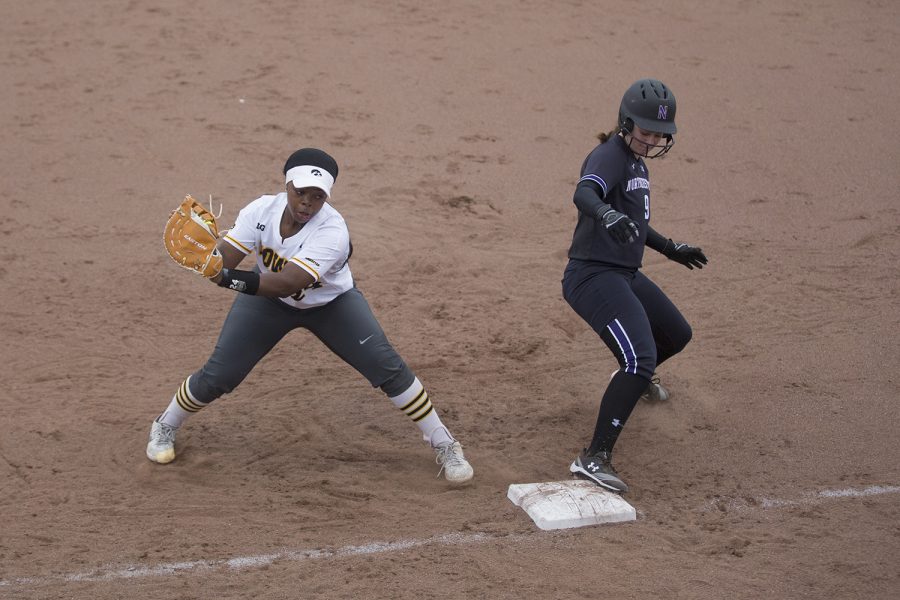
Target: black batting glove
{"type": "Point", "coordinates": [623, 229]}
{"type": "Point", "coordinates": [689, 256]}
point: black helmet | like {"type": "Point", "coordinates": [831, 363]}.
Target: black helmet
{"type": "Point", "coordinates": [650, 105]}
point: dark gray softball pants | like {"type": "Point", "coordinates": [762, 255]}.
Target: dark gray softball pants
{"type": "Point", "coordinates": [345, 325]}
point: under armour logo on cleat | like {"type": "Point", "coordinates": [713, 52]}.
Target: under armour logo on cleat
{"type": "Point", "coordinates": [593, 468]}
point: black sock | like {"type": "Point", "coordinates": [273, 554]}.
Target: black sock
{"type": "Point", "coordinates": [621, 395]}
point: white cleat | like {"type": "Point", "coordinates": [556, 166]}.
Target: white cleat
{"type": "Point", "coordinates": [454, 466]}
{"type": "Point", "coordinates": [161, 448]}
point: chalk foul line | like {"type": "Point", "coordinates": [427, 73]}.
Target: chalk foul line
{"type": "Point", "coordinates": [110, 573]}
{"type": "Point", "coordinates": [802, 500]}
{"type": "Point", "coordinates": [117, 572]}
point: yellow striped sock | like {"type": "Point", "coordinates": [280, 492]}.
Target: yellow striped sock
{"type": "Point", "coordinates": [185, 400]}
{"type": "Point", "coordinates": [182, 405]}
{"type": "Point", "coordinates": [414, 402]}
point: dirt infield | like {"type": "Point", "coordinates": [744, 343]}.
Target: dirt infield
{"type": "Point", "coordinates": [774, 471]}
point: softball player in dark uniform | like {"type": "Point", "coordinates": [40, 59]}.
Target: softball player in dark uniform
{"type": "Point", "coordinates": [603, 282]}
{"type": "Point", "coordinates": [302, 279]}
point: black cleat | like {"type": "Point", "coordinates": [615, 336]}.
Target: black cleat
{"type": "Point", "coordinates": [597, 468]}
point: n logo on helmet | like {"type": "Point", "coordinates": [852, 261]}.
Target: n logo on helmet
{"type": "Point", "coordinates": [662, 112]}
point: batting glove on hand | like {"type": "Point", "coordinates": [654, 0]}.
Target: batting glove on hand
{"type": "Point", "coordinates": [689, 256]}
{"type": "Point", "coordinates": [623, 229]}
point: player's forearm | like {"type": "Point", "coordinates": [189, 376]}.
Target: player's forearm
{"type": "Point", "coordinates": [272, 285]}
{"type": "Point", "coordinates": [275, 285]}
{"type": "Point", "coordinates": [231, 256]}
{"type": "Point", "coordinates": [656, 240]}
{"type": "Point", "coordinates": [588, 199]}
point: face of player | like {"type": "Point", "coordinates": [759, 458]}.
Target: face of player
{"type": "Point", "coordinates": [642, 141]}
{"type": "Point", "coordinates": [304, 203]}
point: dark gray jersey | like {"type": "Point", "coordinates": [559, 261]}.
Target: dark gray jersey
{"type": "Point", "coordinates": [625, 185]}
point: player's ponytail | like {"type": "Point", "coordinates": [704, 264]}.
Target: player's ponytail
{"type": "Point", "coordinates": [606, 136]}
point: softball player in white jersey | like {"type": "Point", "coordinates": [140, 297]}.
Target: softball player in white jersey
{"type": "Point", "coordinates": [302, 279]}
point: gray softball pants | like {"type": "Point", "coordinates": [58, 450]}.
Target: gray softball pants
{"type": "Point", "coordinates": [345, 325]}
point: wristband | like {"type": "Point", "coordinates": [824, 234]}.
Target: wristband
{"type": "Point", "coordinates": [602, 210]}
{"type": "Point", "coordinates": [246, 282]}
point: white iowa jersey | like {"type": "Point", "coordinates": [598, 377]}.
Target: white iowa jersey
{"type": "Point", "coordinates": [321, 247]}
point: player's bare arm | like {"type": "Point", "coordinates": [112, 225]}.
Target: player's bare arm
{"type": "Point", "coordinates": [290, 280]}
{"type": "Point", "coordinates": [231, 257]}
{"type": "Point", "coordinates": [286, 282]}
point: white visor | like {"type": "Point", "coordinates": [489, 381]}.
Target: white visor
{"type": "Point", "coordinates": [308, 176]}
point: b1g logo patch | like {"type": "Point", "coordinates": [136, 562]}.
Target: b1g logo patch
{"type": "Point", "coordinates": [663, 112]}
